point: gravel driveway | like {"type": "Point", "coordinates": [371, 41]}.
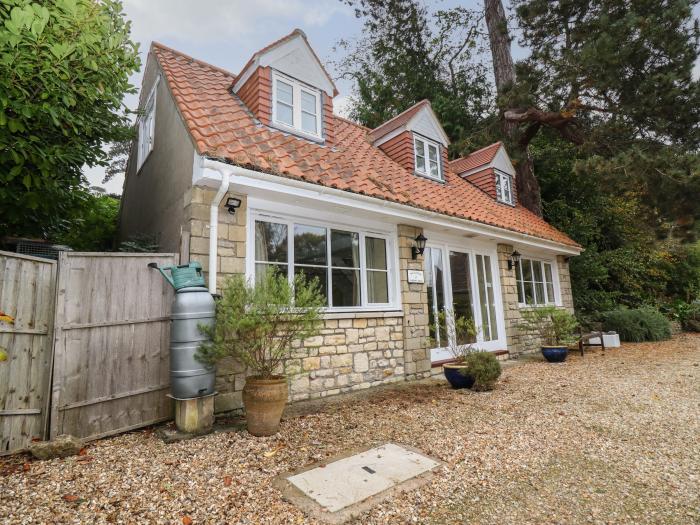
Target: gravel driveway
{"type": "Point", "coordinates": [604, 439]}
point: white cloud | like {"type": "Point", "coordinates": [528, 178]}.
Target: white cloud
{"type": "Point", "coordinates": [215, 21]}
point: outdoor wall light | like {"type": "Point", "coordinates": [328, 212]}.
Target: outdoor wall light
{"type": "Point", "coordinates": [514, 259]}
{"type": "Point", "coordinates": [232, 203]}
{"type": "Point", "coordinates": [418, 248]}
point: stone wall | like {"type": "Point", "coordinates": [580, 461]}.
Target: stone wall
{"type": "Point", "coordinates": [231, 252]}
{"type": "Point", "coordinates": [519, 342]}
{"type": "Point", "coordinates": [414, 299]}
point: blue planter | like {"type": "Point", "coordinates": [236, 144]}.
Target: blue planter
{"type": "Point", "coordinates": [555, 354]}
{"type": "Point", "coordinates": [455, 376]}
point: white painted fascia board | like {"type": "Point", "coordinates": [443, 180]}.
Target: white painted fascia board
{"type": "Point", "coordinates": [247, 178]}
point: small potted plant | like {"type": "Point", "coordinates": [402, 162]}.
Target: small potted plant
{"type": "Point", "coordinates": [256, 324]}
{"type": "Point", "coordinates": [555, 327]}
{"type": "Point", "coordinates": [463, 330]}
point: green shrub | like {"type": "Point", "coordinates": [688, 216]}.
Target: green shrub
{"type": "Point", "coordinates": [484, 368]}
{"type": "Point", "coordinates": [690, 318]}
{"type": "Point", "coordinates": [636, 325]}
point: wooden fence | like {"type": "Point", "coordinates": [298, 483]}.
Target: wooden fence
{"type": "Point", "coordinates": [90, 341]}
{"type": "Point", "coordinates": [27, 294]}
{"type": "Point", "coordinates": [111, 358]}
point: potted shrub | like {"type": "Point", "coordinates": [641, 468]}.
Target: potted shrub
{"type": "Point", "coordinates": [556, 328]}
{"type": "Point", "coordinates": [256, 324]}
{"type": "Point", "coordinates": [484, 368]}
{"type": "Point", "coordinates": [463, 334]}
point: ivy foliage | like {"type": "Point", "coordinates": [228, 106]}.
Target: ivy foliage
{"type": "Point", "coordinates": [64, 70]}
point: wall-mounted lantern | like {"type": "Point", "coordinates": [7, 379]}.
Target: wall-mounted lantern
{"type": "Point", "coordinates": [232, 204]}
{"type": "Point", "coordinates": [419, 247]}
{"type": "Point", "coordinates": [513, 260]}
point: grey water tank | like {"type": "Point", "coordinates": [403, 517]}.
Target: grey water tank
{"type": "Point", "coordinates": [190, 378]}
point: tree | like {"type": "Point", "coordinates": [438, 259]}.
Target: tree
{"type": "Point", "coordinates": [407, 54]}
{"type": "Point", "coordinates": [64, 69]}
{"type": "Point", "coordinates": [504, 73]}
{"type": "Point", "coordinates": [94, 225]}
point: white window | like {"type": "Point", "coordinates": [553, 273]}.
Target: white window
{"type": "Point", "coordinates": [427, 160]}
{"type": "Point", "coordinates": [296, 107]}
{"type": "Point", "coordinates": [504, 188]}
{"type": "Point", "coordinates": [353, 268]}
{"type": "Point", "coordinates": [535, 281]}
{"type": "Point", "coordinates": [147, 128]}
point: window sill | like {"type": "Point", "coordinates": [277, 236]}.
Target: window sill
{"type": "Point", "coordinates": [524, 306]}
{"type": "Point", "coordinates": [364, 314]}
{"type": "Point", "coordinates": [429, 177]}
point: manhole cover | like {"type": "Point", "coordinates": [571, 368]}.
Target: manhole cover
{"type": "Point", "coordinates": [351, 481]}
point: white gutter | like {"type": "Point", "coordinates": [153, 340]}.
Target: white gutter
{"type": "Point", "coordinates": [267, 181]}
{"type": "Point", "coordinates": [225, 172]}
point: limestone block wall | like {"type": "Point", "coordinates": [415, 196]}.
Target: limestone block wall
{"type": "Point", "coordinates": [414, 299]}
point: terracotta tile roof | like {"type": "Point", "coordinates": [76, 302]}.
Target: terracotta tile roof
{"type": "Point", "coordinates": [296, 32]}
{"type": "Point", "coordinates": [474, 160]}
{"type": "Point", "coordinates": [398, 121]}
{"type": "Point", "coordinates": [222, 127]}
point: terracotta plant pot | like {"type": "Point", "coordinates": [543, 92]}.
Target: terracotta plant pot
{"type": "Point", "coordinates": [264, 401]}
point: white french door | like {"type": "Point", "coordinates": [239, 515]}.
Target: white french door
{"type": "Point", "coordinates": [465, 281]}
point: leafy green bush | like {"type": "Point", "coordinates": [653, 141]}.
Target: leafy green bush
{"type": "Point", "coordinates": [636, 325]}
{"type": "Point", "coordinates": [484, 368]}
{"type": "Point", "coordinates": [554, 326]}
{"type": "Point", "coordinates": [690, 317]}
{"type": "Point", "coordinates": [257, 323]}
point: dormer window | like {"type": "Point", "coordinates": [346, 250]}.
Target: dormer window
{"type": "Point", "coordinates": [427, 158]}
{"type": "Point", "coordinates": [504, 188]}
{"type": "Point", "coordinates": [296, 107]}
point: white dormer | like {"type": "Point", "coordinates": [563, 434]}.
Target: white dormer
{"type": "Point", "coordinates": [417, 130]}
{"type": "Point", "coordinates": [490, 169]}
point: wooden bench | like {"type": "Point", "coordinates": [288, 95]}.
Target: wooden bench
{"type": "Point", "coordinates": [585, 340]}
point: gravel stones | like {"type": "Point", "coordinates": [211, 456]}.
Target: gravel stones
{"type": "Point", "coordinates": [606, 439]}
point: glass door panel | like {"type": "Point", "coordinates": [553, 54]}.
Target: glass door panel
{"type": "Point", "coordinates": [435, 281]}
{"type": "Point", "coordinates": [462, 299]}
{"type": "Point", "coordinates": [487, 300]}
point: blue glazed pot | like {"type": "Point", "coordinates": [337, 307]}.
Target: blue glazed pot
{"type": "Point", "coordinates": [555, 354]}
{"type": "Point", "coordinates": [455, 376]}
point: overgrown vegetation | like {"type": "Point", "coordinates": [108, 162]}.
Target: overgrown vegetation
{"type": "Point", "coordinates": [93, 226]}
{"type": "Point", "coordinates": [64, 70]}
{"type": "Point", "coordinates": [257, 323]}
{"type": "Point", "coordinates": [605, 106]}
{"type": "Point", "coordinates": [484, 368]}
{"type": "Point", "coordinates": [636, 325]}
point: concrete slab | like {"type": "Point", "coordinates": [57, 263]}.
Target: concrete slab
{"type": "Point", "coordinates": [340, 489]}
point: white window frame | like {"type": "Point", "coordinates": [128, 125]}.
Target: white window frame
{"type": "Point", "coordinates": [391, 259]}
{"type": "Point", "coordinates": [426, 143]}
{"type": "Point", "coordinates": [147, 128]}
{"type": "Point", "coordinates": [297, 89]}
{"type": "Point", "coordinates": [549, 301]}
{"type": "Point", "coordinates": [504, 180]}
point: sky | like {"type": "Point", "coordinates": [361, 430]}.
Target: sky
{"type": "Point", "coordinates": [227, 32]}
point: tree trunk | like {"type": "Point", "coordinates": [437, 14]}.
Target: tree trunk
{"type": "Point", "coordinates": [504, 74]}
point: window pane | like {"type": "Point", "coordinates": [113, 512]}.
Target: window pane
{"type": "Point", "coordinates": [461, 290]}
{"type": "Point", "coordinates": [375, 253]}
{"type": "Point", "coordinates": [537, 270]}
{"type": "Point", "coordinates": [420, 164]}
{"type": "Point", "coordinates": [285, 114]}
{"type": "Point", "coordinates": [539, 293]}
{"type": "Point", "coordinates": [308, 102]}
{"type": "Point", "coordinates": [527, 269]}
{"type": "Point", "coordinates": [285, 93]}
{"type": "Point", "coordinates": [345, 249]}
{"type": "Point", "coordinates": [377, 287]}
{"type": "Point", "coordinates": [270, 242]}
{"type": "Point", "coordinates": [499, 190]}
{"type": "Point", "coordinates": [434, 171]}
{"type": "Point", "coordinates": [319, 275]}
{"type": "Point", "coordinates": [529, 293]}
{"type": "Point", "coordinates": [308, 122]}
{"type": "Point", "coordinates": [493, 330]}
{"type": "Point", "coordinates": [432, 152]}
{"type": "Point", "coordinates": [420, 155]}
{"type": "Point", "coordinates": [519, 284]}
{"type": "Point", "coordinates": [261, 269]}
{"type": "Point", "coordinates": [309, 245]}
{"type": "Point", "coordinates": [483, 298]}
{"type": "Point", "coordinates": [346, 287]}
{"type": "Point", "coordinates": [549, 282]}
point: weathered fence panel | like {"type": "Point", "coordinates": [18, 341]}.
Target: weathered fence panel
{"type": "Point", "coordinates": [27, 294]}
{"type": "Point", "coordinates": [111, 355]}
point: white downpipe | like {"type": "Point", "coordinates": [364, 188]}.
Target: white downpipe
{"type": "Point", "coordinates": [214, 219]}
